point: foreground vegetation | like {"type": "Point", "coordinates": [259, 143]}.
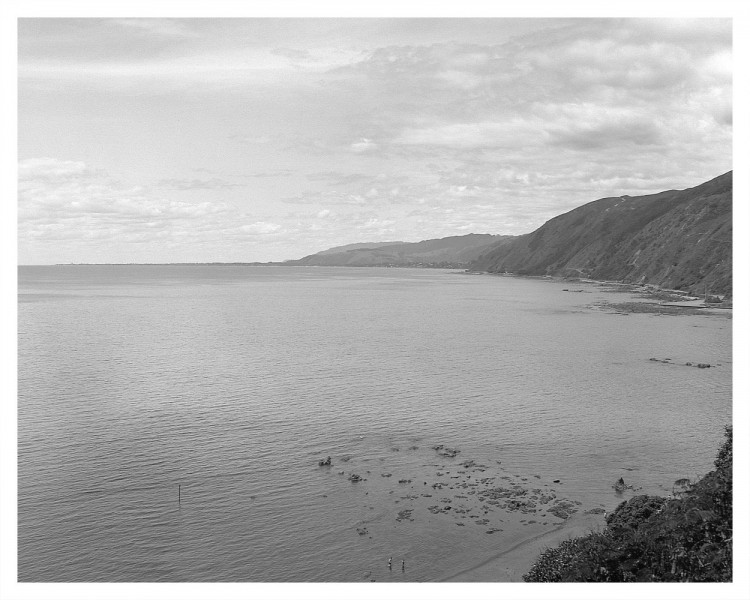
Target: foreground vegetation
{"type": "Point", "coordinates": [649, 538]}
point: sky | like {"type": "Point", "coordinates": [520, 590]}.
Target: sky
{"type": "Point", "coordinates": [223, 140]}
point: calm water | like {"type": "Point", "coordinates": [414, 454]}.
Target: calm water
{"type": "Point", "coordinates": [231, 382]}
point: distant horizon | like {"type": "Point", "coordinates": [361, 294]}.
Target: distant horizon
{"type": "Point", "coordinates": [248, 262]}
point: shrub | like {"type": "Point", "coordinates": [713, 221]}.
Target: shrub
{"type": "Point", "coordinates": [648, 538]}
{"type": "Point", "coordinates": [633, 512]}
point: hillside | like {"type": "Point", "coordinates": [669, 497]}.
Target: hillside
{"type": "Point", "coordinates": [360, 246]}
{"type": "Point", "coordinates": [455, 251]}
{"type": "Point", "coordinates": [678, 239]}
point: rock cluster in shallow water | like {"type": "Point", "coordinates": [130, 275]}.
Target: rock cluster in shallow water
{"type": "Point", "coordinates": [475, 494]}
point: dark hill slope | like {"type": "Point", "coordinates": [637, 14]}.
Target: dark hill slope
{"type": "Point", "coordinates": [359, 246]}
{"type": "Point", "coordinates": [679, 239]}
{"type": "Point", "coordinates": [450, 251]}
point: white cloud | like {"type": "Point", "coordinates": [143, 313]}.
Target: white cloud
{"type": "Point", "coordinates": [62, 191]}
{"type": "Point", "coordinates": [461, 79]}
{"type": "Point", "coordinates": [508, 134]}
{"type": "Point", "coordinates": [260, 227]}
{"type": "Point", "coordinates": [173, 28]}
{"type": "Point", "coordinates": [363, 145]}
{"type": "Point", "coordinates": [382, 226]}
{"type": "Point", "coordinates": [66, 204]}
{"type": "Point", "coordinates": [215, 183]}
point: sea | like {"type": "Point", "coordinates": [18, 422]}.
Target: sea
{"type": "Point", "coordinates": [171, 419]}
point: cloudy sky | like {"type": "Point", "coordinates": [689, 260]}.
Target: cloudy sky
{"type": "Point", "coordinates": [150, 140]}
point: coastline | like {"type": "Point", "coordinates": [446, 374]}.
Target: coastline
{"type": "Point", "coordinates": [510, 564]}
{"type": "Point", "coordinates": [661, 297]}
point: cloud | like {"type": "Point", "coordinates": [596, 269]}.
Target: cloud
{"type": "Point", "coordinates": [61, 199]}
{"type": "Point", "coordinates": [271, 174]}
{"type": "Point", "coordinates": [71, 212]}
{"type": "Point", "coordinates": [259, 140]}
{"type": "Point", "coordinates": [340, 178]}
{"type": "Point", "coordinates": [260, 227]}
{"type": "Point", "coordinates": [413, 138]}
{"type": "Point", "coordinates": [292, 53]}
{"type": "Point", "coordinates": [382, 226]}
{"type": "Point", "coordinates": [363, 145]}
{"type": "Point", "coordinates": [148, 28]}
{"type": "Point", "coordinates": [586, 126]}
{"type": "Point", "coordinates": [50, 170]}
{"type": "Point", "coordinates": [199, 56]}
{"type": "Point", "coordinates": [474, 135]}
{"type": "Point", "coordinates": [198, 184]}
{"type": "Point", "coordinates": [450, 90]}
{"type": "Point", "coordinates": [330, 198]}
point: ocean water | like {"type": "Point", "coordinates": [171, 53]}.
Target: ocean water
{"type": "Point", "coordinates": [171, 418]}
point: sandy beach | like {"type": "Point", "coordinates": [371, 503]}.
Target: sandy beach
{"type": "Point", "coordinates": [511, 564]}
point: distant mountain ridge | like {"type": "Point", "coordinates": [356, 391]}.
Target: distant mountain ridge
{"type": "Point", "coordinates": [677, 239]}
{"type": "Point", "coordinates": [454, 252]}
{"type": "Point", "coordinates": [360, 246]}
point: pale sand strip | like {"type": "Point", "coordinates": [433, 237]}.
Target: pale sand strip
{"type": "Point", "coordinates": [510, 564]}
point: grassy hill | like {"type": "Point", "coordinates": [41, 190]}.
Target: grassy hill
{"type": "Point", "coordinates": [454, 251]}
{"type": "Point", "coordinates": [678, 239]}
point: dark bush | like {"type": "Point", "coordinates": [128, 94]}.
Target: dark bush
{"type": "Point", "coordinates": [636, 510]}
{"type": "Point", "coordinates": [688, 538]}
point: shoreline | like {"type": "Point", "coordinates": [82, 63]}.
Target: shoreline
{"type": "Point", "coordinates": [687, 300]}
{"type": "Point", "coordinates": [512, 563]}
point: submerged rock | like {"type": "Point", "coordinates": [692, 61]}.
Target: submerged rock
{"type": "Point", "coordinates": [661, 360]}
{"type": "Point", "coordinates": [558, 512]}
{"type": "Point", "coordinates": [446, 452]}
{"type": "Point", "coordinates": [595, 511]}
{"type": "Point", "coordinates": [405, 515]}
